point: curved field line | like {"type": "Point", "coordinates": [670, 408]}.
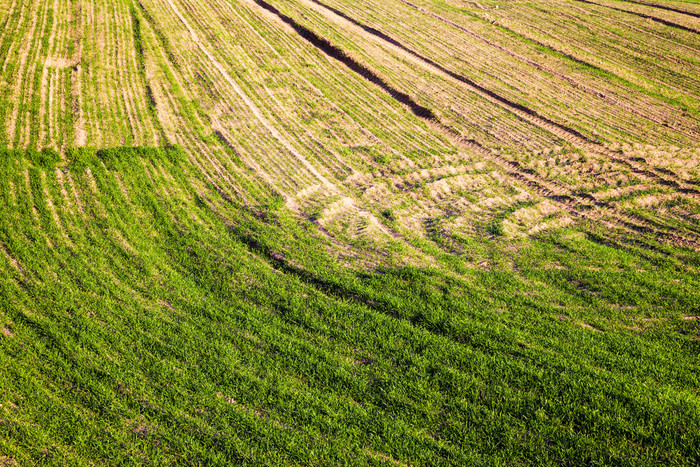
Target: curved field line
{"type": "Point", "coordinates": [664, 7]}
{"type": "Point", "coordinates": [5, 30]}
{"type": "Point", "coordinates": [13, 262]}
{"type": "Point", "coordinates": [173, 118]}
{"type": "Point", "coordinates": [645, 16]}
{"type": "Point", "coordinates": [16, 98]}
{"type": "Point", "coordinates": [546, 69]}
{"type": "Point", "coordinates": [79, 202]}
{"type": "Point", "coordinates": [340, 166]}
{"type": "Point", "coordinates": [629, 75]}
{"type": "Point", "coordinates": [249, 103]}
{"type": "Point", "coordinates": [338, 54]}
{"type": "Point", "coordinates": [627, 24]}
{"type": "Point", "coordinates": [359, 98]}
{"type": "Point", "coordinates": [283, 116]}
{"type": "Point", "coordinates": [54, 213]}
{"type": "Point", "coordinates": [642, 51]}
{"type": "Point", "coordinates": [360, 102]}
{"type": "Point", "coordinates": [543, 187]}
{"type": "Point", "coordinates": [332, 51]}
{"type": "Point", "coordinates": [575, 138]}
{"type": "Point", "coordinates": [520, 110]}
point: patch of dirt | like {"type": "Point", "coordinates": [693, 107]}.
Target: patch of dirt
{"type": "Point", "coordinates": [77, 107]}
{"type": "Point", "coordinates": [588, 326]}
{"type": "Point", "coordinates": [60, 62]}
{"type": "Point", "coordinates": [384, 458]}
{"type": "Point", "coordinates": [13, 261]}
{"type": "Point", "coordinates": [141, 431]}
{"type": "Point", "coordinates": [140, 427]}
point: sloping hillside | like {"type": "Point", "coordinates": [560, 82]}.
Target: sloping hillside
{"type": "Point", "coordinates": [300, 232]}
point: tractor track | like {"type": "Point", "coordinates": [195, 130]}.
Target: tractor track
{"type": "Point", "coordinates": [572, 136]}
{"type": "Point", "coordinates": [559, 129]}
{"type": "Point", "coordinates": [572, 81]}
{"type": "Point", "coordinates": [664, 7]}
{"type": "Point", "coordinates": [578, 205]}
{"type": "Point", "coordinates": [645, 16]}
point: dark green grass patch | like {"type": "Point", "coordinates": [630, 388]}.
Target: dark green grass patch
{"type": "Point", "coordinates": [159, 323]}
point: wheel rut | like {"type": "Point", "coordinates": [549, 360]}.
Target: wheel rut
{"type": "Point", "coordinates": [522, 111]}
{"type": "Point", "coordinates": [665, 7]}
{"type": "Point", "coordinates": [656, 19]}
{"type": "Point", "coordinates": [589, 90]}
{"type": "Point", "coordinates": [568, 134]}
{"type": "Point", "coordinates": [246, 99]}
{"type": "Point", "coordinates": [578, 205]}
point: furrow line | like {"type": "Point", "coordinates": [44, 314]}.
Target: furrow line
{"type": "Point", "coordinates": [69, 205]}
{"type": "Point", "coordinates": [549, 70]}
{"type": "Point", "coordinates": [562, 131]}
{"type": "Point", "coordinates": [20, 81]}
{"type": "Point", "coordinates": [79, 203]}
{"type": "Point", "coordinates": [136, 87]}
{"type": "Point", "coordinates": [357, 109]}
{"type": "Point", "coordinates": [651, 173]}
{"type": "Point", "coordinates": [249, 103]}
{"type": "Point", "coordinates": [139, 91]}
{"type": "Point", "coordinates": [52, 210]}
{"type": "Point", "coordinates": [155, 126]}
{"type": "Point", "coordinates": [270, 103]}
{"type": "Point", "coordinates": [630, 74]}
{"type": "Point", "coordinates": [120, 78]}
{"type": "Point", "coordinates": [628, 25]}
{"type": "Point", "coordinates": [116, 129]}
{"type": "Point", "coordinates": [498, 72]}
{"type": "Point", "coordinates": [645, 16]}
{"type": "Point", "coordinates": [8, 42]}
{"type": "Point", "coordinates": [32, 96]}
{"type": "Point", "coordinates": [559, 130]}
{"type": "Point", "coordinates": [99, 52]}
{"type": "Point", "coordinates": [565, 201]}
{"type": "Point", "coordinates": [76, 79]}
{"type": "Point", "coordinates": [676, 68]}
{"type": "Point", "coordinates": [575, 204]}
{"type": "Point", "coordinates": [13, 262]}
{"type": "Point", "coordinates": [3, 28]}
{"type": "Point", "coordinates": [310, 141]}
{"type": "Point", "coordinates": [46, 97]}
{"type": "Point", "coordinates": [31, 201]}
{"type": "Point", "coordinates": [125, 73]}
{"type": "Point", "coordinates": [170, 115]}
{"type": "Point", "coordinates": [664, 7]}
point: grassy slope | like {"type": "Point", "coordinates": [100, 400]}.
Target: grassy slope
{"type": "Point", "coordinates": [216, 336]}
{"type": "Point", "coordinates": [168, 306]}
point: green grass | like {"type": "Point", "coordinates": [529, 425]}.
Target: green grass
{"type": "Point", "coordinates": [208, 305]}
{"type": "Point", "coordinates": [174, 326]}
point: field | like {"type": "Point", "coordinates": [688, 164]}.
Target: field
{"type": "Point", "coordinates": [330, 232]}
